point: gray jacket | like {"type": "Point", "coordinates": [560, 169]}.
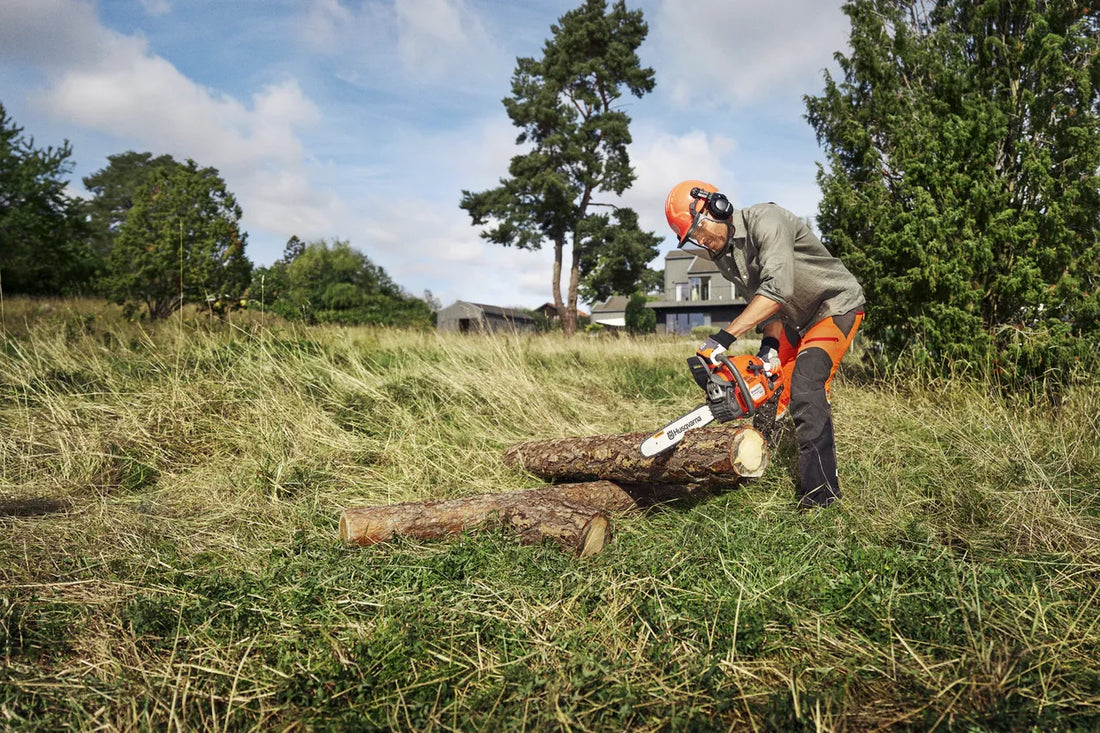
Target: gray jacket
{"type": "Point", "coordinates": [775, 254]}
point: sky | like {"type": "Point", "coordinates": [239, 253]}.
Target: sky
{"type": "Point", "coordinates": [364, 120]}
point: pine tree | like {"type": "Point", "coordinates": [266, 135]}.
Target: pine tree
{"type": "Point", "coordinates": [43, 237]}
{"type": "Point", "coordinates": [566, 104]}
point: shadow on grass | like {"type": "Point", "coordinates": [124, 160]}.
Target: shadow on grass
{"type": "Point", "coordinates": [31, 507]}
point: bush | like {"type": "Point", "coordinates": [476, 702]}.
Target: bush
{"type": "Point", "coordinates": [639, 319]}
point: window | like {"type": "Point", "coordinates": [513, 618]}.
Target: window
{"type": "Point", "coordinates": [682, 323]}
{"type": "Point", "coordinates": [700, 288]}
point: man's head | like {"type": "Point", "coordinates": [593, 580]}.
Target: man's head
{"type": "Point", "coordinates": [700, 217]}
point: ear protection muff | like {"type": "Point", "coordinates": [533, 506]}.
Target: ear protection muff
{"type": "Point", "coordinates": [716, 203]}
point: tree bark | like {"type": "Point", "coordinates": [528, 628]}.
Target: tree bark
{"type": "Point", "coordinates": [708, 457]}
{"type": "Point", "coordinates": [573, 515]}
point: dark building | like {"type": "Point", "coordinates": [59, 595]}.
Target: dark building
{"type": "Point", "coordinates": [465, 317]}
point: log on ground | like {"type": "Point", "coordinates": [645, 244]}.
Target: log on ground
{"type": "Point", "coordinates": [574, 516]}
{"type": "Point", "coordinates": [710, 457]}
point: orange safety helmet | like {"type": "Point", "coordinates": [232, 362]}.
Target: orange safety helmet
{"type": "Point", "coordinates": [690, 201]}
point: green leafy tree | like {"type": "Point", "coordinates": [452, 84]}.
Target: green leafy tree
{"type": "Point", "coordinates": [113, 188]}
{"type": "Point", "coordinates": [270, 285]}
{"type": "Point", "coordinates": [43, 236]}
{"type": "Point", "coordinates": [639, 319]}
{"type": "Point", "coordinates": [567, 105]}
{"type": "Point", "coordinates": [181, 242]}
{"type": "Point", "coordinates": [335, 283]}
{"type": "Point", "coordinates": [961, 185]}
{"type": "Point", "coordinates": [614, 256]}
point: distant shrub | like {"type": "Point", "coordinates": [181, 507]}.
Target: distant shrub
{"type": "Point", "coordinates": [701, 332]}
{"type": "Point", "coordinates": [639, 319]}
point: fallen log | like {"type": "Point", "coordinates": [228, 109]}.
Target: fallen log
{"type": "Point", "coordinates": [573, 515]}
{"type": "Point", "coordinates": [709, 457]}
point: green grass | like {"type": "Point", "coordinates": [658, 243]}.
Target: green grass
{"type": "Point", "coordinates": [169, 498]}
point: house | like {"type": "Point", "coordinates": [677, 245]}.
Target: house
{"type": "Point", "coordinates": [463, 317]}
{"type": "Point", "coordinates": [695, 295]}
{"type": "Point", "coordinates": [611, 312]}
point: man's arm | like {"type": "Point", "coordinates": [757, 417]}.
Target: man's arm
{"type": "Point", "coordinates": [759, 309]}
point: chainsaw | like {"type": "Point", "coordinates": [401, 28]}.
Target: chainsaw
{"type": "Point", "coordinates": [735, 388]}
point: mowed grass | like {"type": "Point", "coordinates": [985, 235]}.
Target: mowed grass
{"type": "Point", "coordinates": [169, 497]}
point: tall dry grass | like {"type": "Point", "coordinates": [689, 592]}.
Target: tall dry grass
{"type": "Point", "coordinates": [168, 505]}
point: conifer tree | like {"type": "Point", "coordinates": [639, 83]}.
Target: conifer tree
{"type": "Point", "coordinates": [43, 236]}
{"type": "Point", "coordinates": [961, 186]}
{"type": "Point", "coordinates": [567, 105]}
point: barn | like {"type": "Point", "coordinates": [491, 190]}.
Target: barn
{"type": "Point", "coordinates": [466, 317]}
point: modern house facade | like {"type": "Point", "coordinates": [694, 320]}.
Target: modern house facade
{"type": "Point", "coordinates": [472, 317]}
{"type": "Point", "coordinates": [695, 295]}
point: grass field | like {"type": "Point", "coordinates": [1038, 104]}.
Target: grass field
{"type": "Point", "coordinates": [169, 498]}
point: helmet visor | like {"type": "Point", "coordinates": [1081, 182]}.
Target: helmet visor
{"type": "Point", "coordinates": [690, 244]}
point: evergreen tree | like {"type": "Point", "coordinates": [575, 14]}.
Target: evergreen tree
{"type": "Point", "coordinates": [961, 186]}
{"type": "Point", "coordinates": [639, 319]}
{"type": "Point", "coordinates": [294, 247]}
{"type": "Point", "coordinates": [566, 104]}
{"type": "Point", "coordinates": [270, 284]}
{"type": "Point", "coordinates": [614, 256]}
{"type": "Point", "coordinates": [113, 188]}
{"type": "Point", "coordinates": [181, 242]}
{"type": "Point", "coordinates": [43, 237]}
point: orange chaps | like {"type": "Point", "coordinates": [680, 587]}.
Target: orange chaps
{"type": "Point", "coordinates": [815, 358]}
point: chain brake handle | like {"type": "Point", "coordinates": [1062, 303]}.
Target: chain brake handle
{"type": "Point", "coordinates": [707, 377]}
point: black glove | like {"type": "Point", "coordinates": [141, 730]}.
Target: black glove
{"type": "Point", "coordinates": [715, 345]}
{"type": "Point", "coordinates": [769, 354]}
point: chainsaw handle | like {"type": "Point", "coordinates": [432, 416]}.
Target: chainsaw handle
{"type": "Point", "coordinates": [750, 408]}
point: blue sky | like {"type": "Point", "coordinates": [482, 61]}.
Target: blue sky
{"type": "Point", "coordinates": [364, 120]}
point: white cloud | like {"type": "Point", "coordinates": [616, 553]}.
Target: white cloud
{"type": "Point", "coordinates": [435, 34]}
{"type": "Point", "coordinates": [434, 40]}
{"type": "Point", "coordinates": [157, 7]}
{"type": "Point", "coordinates": [743, 52]}
{"type": "Point", "coordinates": [112, 83]}
{"type": "Point", "coordinates": [49, 34]}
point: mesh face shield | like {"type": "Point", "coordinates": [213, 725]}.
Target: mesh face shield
{"type": "Point", "coordinates": [692, 245]}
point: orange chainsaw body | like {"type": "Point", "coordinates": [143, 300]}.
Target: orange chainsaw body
{"type": "Point", "coordinates": [759, 386]}
{"type": "Point", "coordinates": [737, 386]}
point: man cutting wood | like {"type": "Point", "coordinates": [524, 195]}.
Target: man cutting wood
{"type": "Point", "coordinates": [802, 299]}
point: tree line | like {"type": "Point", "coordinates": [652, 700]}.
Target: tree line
{"type": "Point", "coordinates": [158, 233]}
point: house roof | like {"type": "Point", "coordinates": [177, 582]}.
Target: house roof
{"type": "Point", "coordinates": [702, 266]}
{"type": "Point", "coordinates": [677, 254]}
{"type": "Point", "coordinates": [549, 308]}
{"type": "Point", "coordinates": [514, 313]}
{"type": "Point", "coordinates": [614, 303]}
{"type": "Point", "coordinates": [495, 310]}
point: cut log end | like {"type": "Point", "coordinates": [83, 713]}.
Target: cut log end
{"type": "Point", "coordinates": [355, 531]}
{"type": "Point", "coordinates": [595, 536]}
{"type": "Point", "coordinates": [749, 453]}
